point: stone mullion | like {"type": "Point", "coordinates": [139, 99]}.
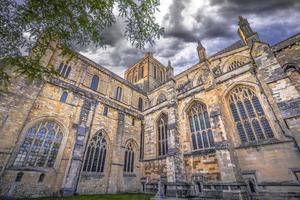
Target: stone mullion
{"type": "Point", "coordinates": [258, 117]}
{"type": "Point", "coordinates": [249, 118]}
{"type": "Point", "coordinates": [242, 120]}
{"type": "Point", "coordinates": [93, 157]}
{"type": "Point", "coordinates": [195, 131]}
{"type": "Point", "coordinates": [33, 140]}
{"type": "Point", "coordinates": [40, 150]}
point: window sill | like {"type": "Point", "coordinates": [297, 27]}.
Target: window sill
{"type": "Point", "coordinates": [92, 175]}
{"type": "Point", "coordinates": [201, 152]}
{"type": "Point", "coordinates": [261, 143]}
{"type": "Point", "coordinates": [126, 174]}
{"type": "Point", "coordinates": [28, 168]}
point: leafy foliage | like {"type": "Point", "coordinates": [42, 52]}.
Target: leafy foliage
{"type": "Point", "coordinates": [29, 26]}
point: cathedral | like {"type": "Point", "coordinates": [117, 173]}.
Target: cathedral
{"type": "Point", "coordinates": [226, 128]}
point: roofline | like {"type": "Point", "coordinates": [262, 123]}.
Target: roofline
{"type": "Point", "coordinates": [110, 73]}
{"type": "Point", "coordinates": [282, 41]}
{"type": "Point", "coordinates": [277, 47]}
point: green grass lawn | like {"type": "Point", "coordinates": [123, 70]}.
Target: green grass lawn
{"type": "Point", "coordinates": [104, 196]}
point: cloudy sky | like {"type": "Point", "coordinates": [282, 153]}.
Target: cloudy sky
{"type": "Point", "coordinates": [214, 22]}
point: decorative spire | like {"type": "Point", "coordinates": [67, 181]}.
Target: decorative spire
{"type": "Point", "coordinates": [201, 52]}
{"type": "Point", "coordinates": [245, 31]}
{"type": "Point", "coordinates": [169, 63]}
{"type": "Point", "coordinates": [200, 44]}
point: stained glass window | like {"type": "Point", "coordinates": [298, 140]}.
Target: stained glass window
{"type": "Point", "coordinates": [162, 127]}
{"type": "Point", "coordinates": [245, 105]}
{"type": "Point", "coordinates": [202, 135]}
{"type": "Point", "coordinates": [40, 145]}
{"type": "Point", "coordinates": [95, 154]}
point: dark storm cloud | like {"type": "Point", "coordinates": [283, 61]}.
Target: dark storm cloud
{"type": "Point", "coordinates": [212, 21]}
{"type": "Point", "coordinates": [231, 7]}
{"type": "Point", "coordinates": [209, 26]}
{"type": "Point", "coordinates": [173, 22]}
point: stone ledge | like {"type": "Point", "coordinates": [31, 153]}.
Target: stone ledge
{"type": "Point", "coordinates": [262, 143]}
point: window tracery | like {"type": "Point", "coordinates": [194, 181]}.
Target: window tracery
{"type": "Point", "coordinates": [202, 135]}
{"type": "Point", "coordinates": [40, 145]}
{"type": "Point", "coordinates": [162, 129]}
{"type": "Point", "coordinates": [95, 154]}
{"type": "Point", "coordinates": [248, 115]}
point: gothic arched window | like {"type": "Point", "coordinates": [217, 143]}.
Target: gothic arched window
{"type": "Point", "coordinates": [19, 177]}
{"type": "Point", "coordinates": [202, 135]}
{"type": "Point", "coordinates": [118, 93]}
{"type": "Point", "coordinates": [162, 129]}
{"type": "Point", "coordinates": [140, 106]}
{"type": "Point", "coordinates": [95, 154]}
{"type": "Point", "coordinates": [64, 70]}
{"type": "Point", "coordinates": [94, 83]}
{"type": "Point", "coordinates": [248, 115]}
{"type": "Point", "coordinates": [40, 145]}
{"type": "Point", "coordinates": [129, 158]}
{"type": "Point", "coordinates": [63, 97]}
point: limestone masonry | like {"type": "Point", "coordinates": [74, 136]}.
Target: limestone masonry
{"type": "Point", "coordinates": [226, 128]}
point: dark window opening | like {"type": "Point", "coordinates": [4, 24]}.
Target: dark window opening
{"type": "Point", "coordinates": [64, 97]}
{"type": "Point", "coordinates": [252, 187]}
{"type": "Point", "coordinates": [140, 104]}
{"type": "Point", "coordinates": [94, 83]}
{"type": "Point", "coordinates": [105, 111]}
{"type": "Point", "coordinates": [41, 178]}
{"type": "Point", "coordinates": [19, 177]}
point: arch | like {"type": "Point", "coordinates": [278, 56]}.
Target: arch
{"type": "Point", "coordinates": [41, 177]}
{"type": "Point", "coordinates": [161, 98]}
{"type": "Point", "coordinates": [200, 127]}
{"type": "Point", "coordinates": [63, 97]}
{"type": "Point", "coordinates": [248, 114]}
{"type": "Point", "coordinates": [118, 93]}
{"type": "Point", "coordinates": [290, 67]}
{"type": "Point", "coordinates": [19, 176]}
{"type": "Point", "coordinates": [251, 186]}
{"type": "Point", "coordinates": [96, 153]}
{"type": "Point", "coordinates": [162, 134]}
{"type": "Point", "coordinates": [40, 145]}
{"type": "Point", "coordinates": [95, 82]}
{"type": "Point", "coordinates": [234, 62]}
{"type": "Point", "coordinates": [130, 156]}
{"type": "Point", "coordinates": [64, 70]}
{"type": "Point", "coordinates": [140, 104]}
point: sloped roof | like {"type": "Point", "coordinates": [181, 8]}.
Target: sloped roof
{"type": "Point", "coordinates": [235, 45]}
{"type": "Point", "coordinates": [287, 42]}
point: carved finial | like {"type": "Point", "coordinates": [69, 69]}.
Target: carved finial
{"type": "Point", "coordinates": [200, 44]}
{"type": "Point", "coordinates": [169, 63]}
{"type": "Point", "coordinates": [201, 52]}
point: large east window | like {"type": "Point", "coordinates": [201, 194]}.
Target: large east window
{"type": "Point", "coordinates": [248, 115]}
